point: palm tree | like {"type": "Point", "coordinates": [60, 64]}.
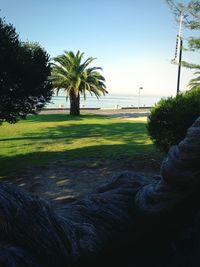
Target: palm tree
{"type": "Point", "coordinates": [195, 83]}
{"type": "Point", "coordinates": [70, 74]}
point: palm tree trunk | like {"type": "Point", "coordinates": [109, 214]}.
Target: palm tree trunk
{"type": "Point", "coordinates": [74, 104]}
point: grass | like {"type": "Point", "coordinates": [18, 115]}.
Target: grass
{"type": "Point", "coordinates": [45, 138]}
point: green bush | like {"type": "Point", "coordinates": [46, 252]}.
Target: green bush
{"type": "Point", "coordinates": [170, 118]}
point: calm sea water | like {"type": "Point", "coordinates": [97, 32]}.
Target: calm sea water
{"type": "Point", "coordinates": [108, 101]}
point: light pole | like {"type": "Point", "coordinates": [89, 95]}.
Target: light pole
{"type": "Point", "coordinates": [140, 88]}
{"type": "Point", "coordinates": [180, 52]}
{"type": "Point", "coordinates": [179, 66]}
{"type": "Point", "coordinates": [181, 11]}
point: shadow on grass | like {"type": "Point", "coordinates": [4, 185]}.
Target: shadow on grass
{"type": "Point", "coordinates": [125, 132]}
{"type": "Point", "coordinates": [58, 118]}
{"type": "Point", "coordinates": [130, 139]}
{"type": "Point", "coordinates": [65, 176]}
{"type": "Point", "coordinates": [14, 164]}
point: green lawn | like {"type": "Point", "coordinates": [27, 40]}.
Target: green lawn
{"type": "Point", "coordinates": [45, 138]}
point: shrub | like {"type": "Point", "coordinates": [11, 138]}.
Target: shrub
{"type": "Point", "coordinates": [170, 118]}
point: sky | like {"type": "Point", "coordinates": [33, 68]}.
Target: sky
{"type": "Point", "coordinates": [133, 40]}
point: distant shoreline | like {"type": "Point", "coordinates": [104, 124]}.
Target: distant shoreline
{"type": "Point", "coordinates": [109, 101]}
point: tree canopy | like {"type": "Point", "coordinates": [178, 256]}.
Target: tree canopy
{"type": "Point", "coordinates": [74, 76]}
{"type": "Point", "coordinates": [24, 71]}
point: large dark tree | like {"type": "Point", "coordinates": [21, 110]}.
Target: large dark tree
{"type": "Point", "coordinates": [24, 71]}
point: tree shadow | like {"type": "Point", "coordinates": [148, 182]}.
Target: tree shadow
{"type": "Point", "coordinates": [121, 131]}
{"type": "Point", "coordinates": [121, 144]}
{"type": "Point", "coordinates": [58, 118]}
{"type": "Point", "coordinates": [66, 176]}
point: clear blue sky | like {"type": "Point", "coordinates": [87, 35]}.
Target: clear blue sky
{"type": "Point", "coordinates": [133, 41]}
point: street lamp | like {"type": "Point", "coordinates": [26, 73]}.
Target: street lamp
{"type": "Point", "coordinates": [179, 65]}
{"type": "Point", "coordinates": [140, 88]}
{"type": "Point", "coordinates": [180, 40]}
{"type": "Point", "coordinates": [179, 47]}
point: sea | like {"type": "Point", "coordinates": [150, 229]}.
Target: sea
{"type": "Point", "coordinates": [108, 101]}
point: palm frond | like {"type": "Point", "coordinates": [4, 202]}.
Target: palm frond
{"type": "Point", "coordinates": [86, 63]}
{"type": "Point", "coordinates": [196, 81]}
